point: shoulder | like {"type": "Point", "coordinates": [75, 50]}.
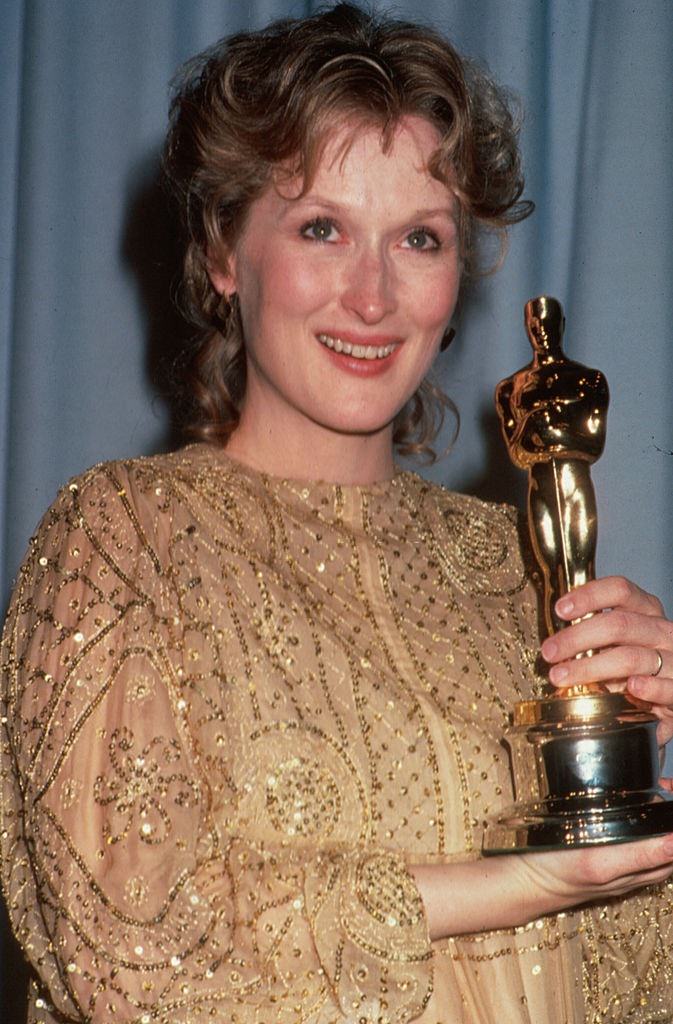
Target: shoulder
{"type": "Point", "coordinates": [128, 490]}
{"type": "Point", "coordinates": [122, 513]}
{"type": "Point", "coordinates": [484, 543]}
{"type": "Point", "coordinates": [136, 478]}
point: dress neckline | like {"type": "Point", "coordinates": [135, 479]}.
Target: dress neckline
{"type": "Point", "coordinates": [303, 486]}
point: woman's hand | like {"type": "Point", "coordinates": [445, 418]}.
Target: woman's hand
{"type": "Point", "coordinates": [514, 889]}
{"type": "Point", "coordinates": [632, 640]}
{"type": "Point", "coordinates": [593, 874]}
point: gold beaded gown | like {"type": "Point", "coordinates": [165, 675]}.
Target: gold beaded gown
{"type": "Point", "coordinates": [235, 709]}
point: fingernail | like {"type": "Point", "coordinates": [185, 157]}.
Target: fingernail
{"type": "Point", "coordinates": [549, 649]}
{"type": "Point", "coordinates": [637, 685]}
{"type": "Point", "coordinates": [558, 673]}
{"type": "Point", "coordinates": [565, 605]}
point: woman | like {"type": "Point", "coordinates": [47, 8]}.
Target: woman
{"type": "Point", "coordinates": [255, 690]}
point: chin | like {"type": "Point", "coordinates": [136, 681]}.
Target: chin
{"type": "Point", "coordinates": [360, 425]}
{"type": "Point", "coordinates": [359, 416]}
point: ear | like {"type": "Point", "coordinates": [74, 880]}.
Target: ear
{"type": "Point", "coordinates": [222, 272]}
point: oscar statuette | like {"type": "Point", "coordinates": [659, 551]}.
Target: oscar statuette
{"type": "Point", "coordinates": [585, 761]}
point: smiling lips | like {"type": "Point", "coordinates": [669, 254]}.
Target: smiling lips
{"type": "Point", "coordinates": [347, 348]}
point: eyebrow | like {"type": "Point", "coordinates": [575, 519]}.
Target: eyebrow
{"type": "Point", "coordinates": [327, 204]}
{"type": "Point", "coordinates": [437, 211]}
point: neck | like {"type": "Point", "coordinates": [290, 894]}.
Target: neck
{"type": "Point", "coordinates": [313, 453]}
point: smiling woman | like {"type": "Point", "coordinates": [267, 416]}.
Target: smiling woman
{"type": "Point", "coordinates": [254, 691]}
{"type": "Point", "coordinates": [345, 290]}
{"type": "Point", "coordinates": [256, 114]}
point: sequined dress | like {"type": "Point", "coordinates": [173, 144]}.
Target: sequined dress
{"type": "Point", "coordinates": [236, 708]}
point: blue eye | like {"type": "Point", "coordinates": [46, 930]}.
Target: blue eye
{"type": "Point", "coordinates": [321, 229]}
{"type": "Point", "coordinates": [422, 239]}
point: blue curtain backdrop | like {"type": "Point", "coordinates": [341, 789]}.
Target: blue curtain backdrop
{"type": "Point", "coordinates": [86, 256]}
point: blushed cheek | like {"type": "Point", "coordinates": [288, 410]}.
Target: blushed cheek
{"type": "Point", "coordinates": [435, 303]}
{"type": "Point", "coordinates": [280, 294]}
{"type": "Point", "coordinates": [302, 289]}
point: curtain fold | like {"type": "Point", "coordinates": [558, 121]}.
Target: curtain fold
{"type": "Point", "coordinates": [10, 102]}
{"type": "Point", "coordinates": [87, 257]}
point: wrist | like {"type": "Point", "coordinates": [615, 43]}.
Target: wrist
{"type": "Point", "coordinates": [476, 896]}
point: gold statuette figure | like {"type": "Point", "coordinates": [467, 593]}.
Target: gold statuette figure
{"type": "Point", "coordinates": [585, 762]}
{"type": "Point", "coordinates": [553, 415]}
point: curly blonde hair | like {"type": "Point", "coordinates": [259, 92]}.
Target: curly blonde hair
{"type": "Point", "coordinates": [258, 100]}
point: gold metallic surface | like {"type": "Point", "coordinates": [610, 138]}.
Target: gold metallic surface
{"type": "Point", "coordinates": [586, 707]}
{"type": "Point", "coordinates": [553, 414]}
{"type": "Point", "coordinates": [585, 762]}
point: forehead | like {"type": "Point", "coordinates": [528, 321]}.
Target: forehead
{"type": "Point", "coordinates": [412, 138]}
{"type": "Point", "coordinates": [364, 167]}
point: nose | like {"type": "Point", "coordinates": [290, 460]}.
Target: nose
{"type": "Point", "coordinates": [369, 290]}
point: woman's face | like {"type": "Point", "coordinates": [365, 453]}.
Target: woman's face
{"type": "Point", "coordinates": [345, 292]}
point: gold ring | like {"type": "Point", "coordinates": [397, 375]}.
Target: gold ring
{"type": "Point", "coordinates": [661, 662]}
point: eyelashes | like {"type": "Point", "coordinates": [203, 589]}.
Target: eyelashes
{"type": "Point", "coordinates": [325, 229]}
{"type": "Point", "coordinates": [424, 235]}
{"type": "Point", "coordinates": [320, 229]}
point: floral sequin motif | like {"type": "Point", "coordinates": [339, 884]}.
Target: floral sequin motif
{"type": "Point", "coordinates": [142, 688]}
{"type": "Point", "coordinates": [302, 798]}
{"type": "Point", "coordinates": [478, 552]}
{"type": "Point", "coordinates": [482, 548]}
{"type": "Point", "coordinates": [138, 791]}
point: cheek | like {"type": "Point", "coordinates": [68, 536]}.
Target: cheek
{"type": "Point", "coordinates": [432, 299]}
{"type": "Point", "coordinates": [290, 288]}
{"type": "Point", "coordinates": [308, 286]}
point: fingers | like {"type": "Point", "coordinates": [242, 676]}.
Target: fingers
{"type": "Point", "coordinates": [608, 592]}
{"type": "Point", "coordinates": [620, 867]}
{"type": "Point", "coordinates": [629, 645]}
{"type": "Point", "coordinates": [581, 875]}
{"type": "Point", "coordinates": [630, 635]}
{"type": "Point", "coordinates": [657, 690]}
{"type": "Point", "coordinates": [631, 639]}
{"type": "Point", "coordinates": [626, 863]}
{"type": "Point", "coordinates": [608, 628]}
{"type": "Point", "coordinates": [638, 664]}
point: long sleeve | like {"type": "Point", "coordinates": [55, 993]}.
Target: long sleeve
{"type": "Point", "coordinates": [132, 882]}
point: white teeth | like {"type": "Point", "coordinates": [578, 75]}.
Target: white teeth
{"type": "Point", "coordinates": [357, 351]}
